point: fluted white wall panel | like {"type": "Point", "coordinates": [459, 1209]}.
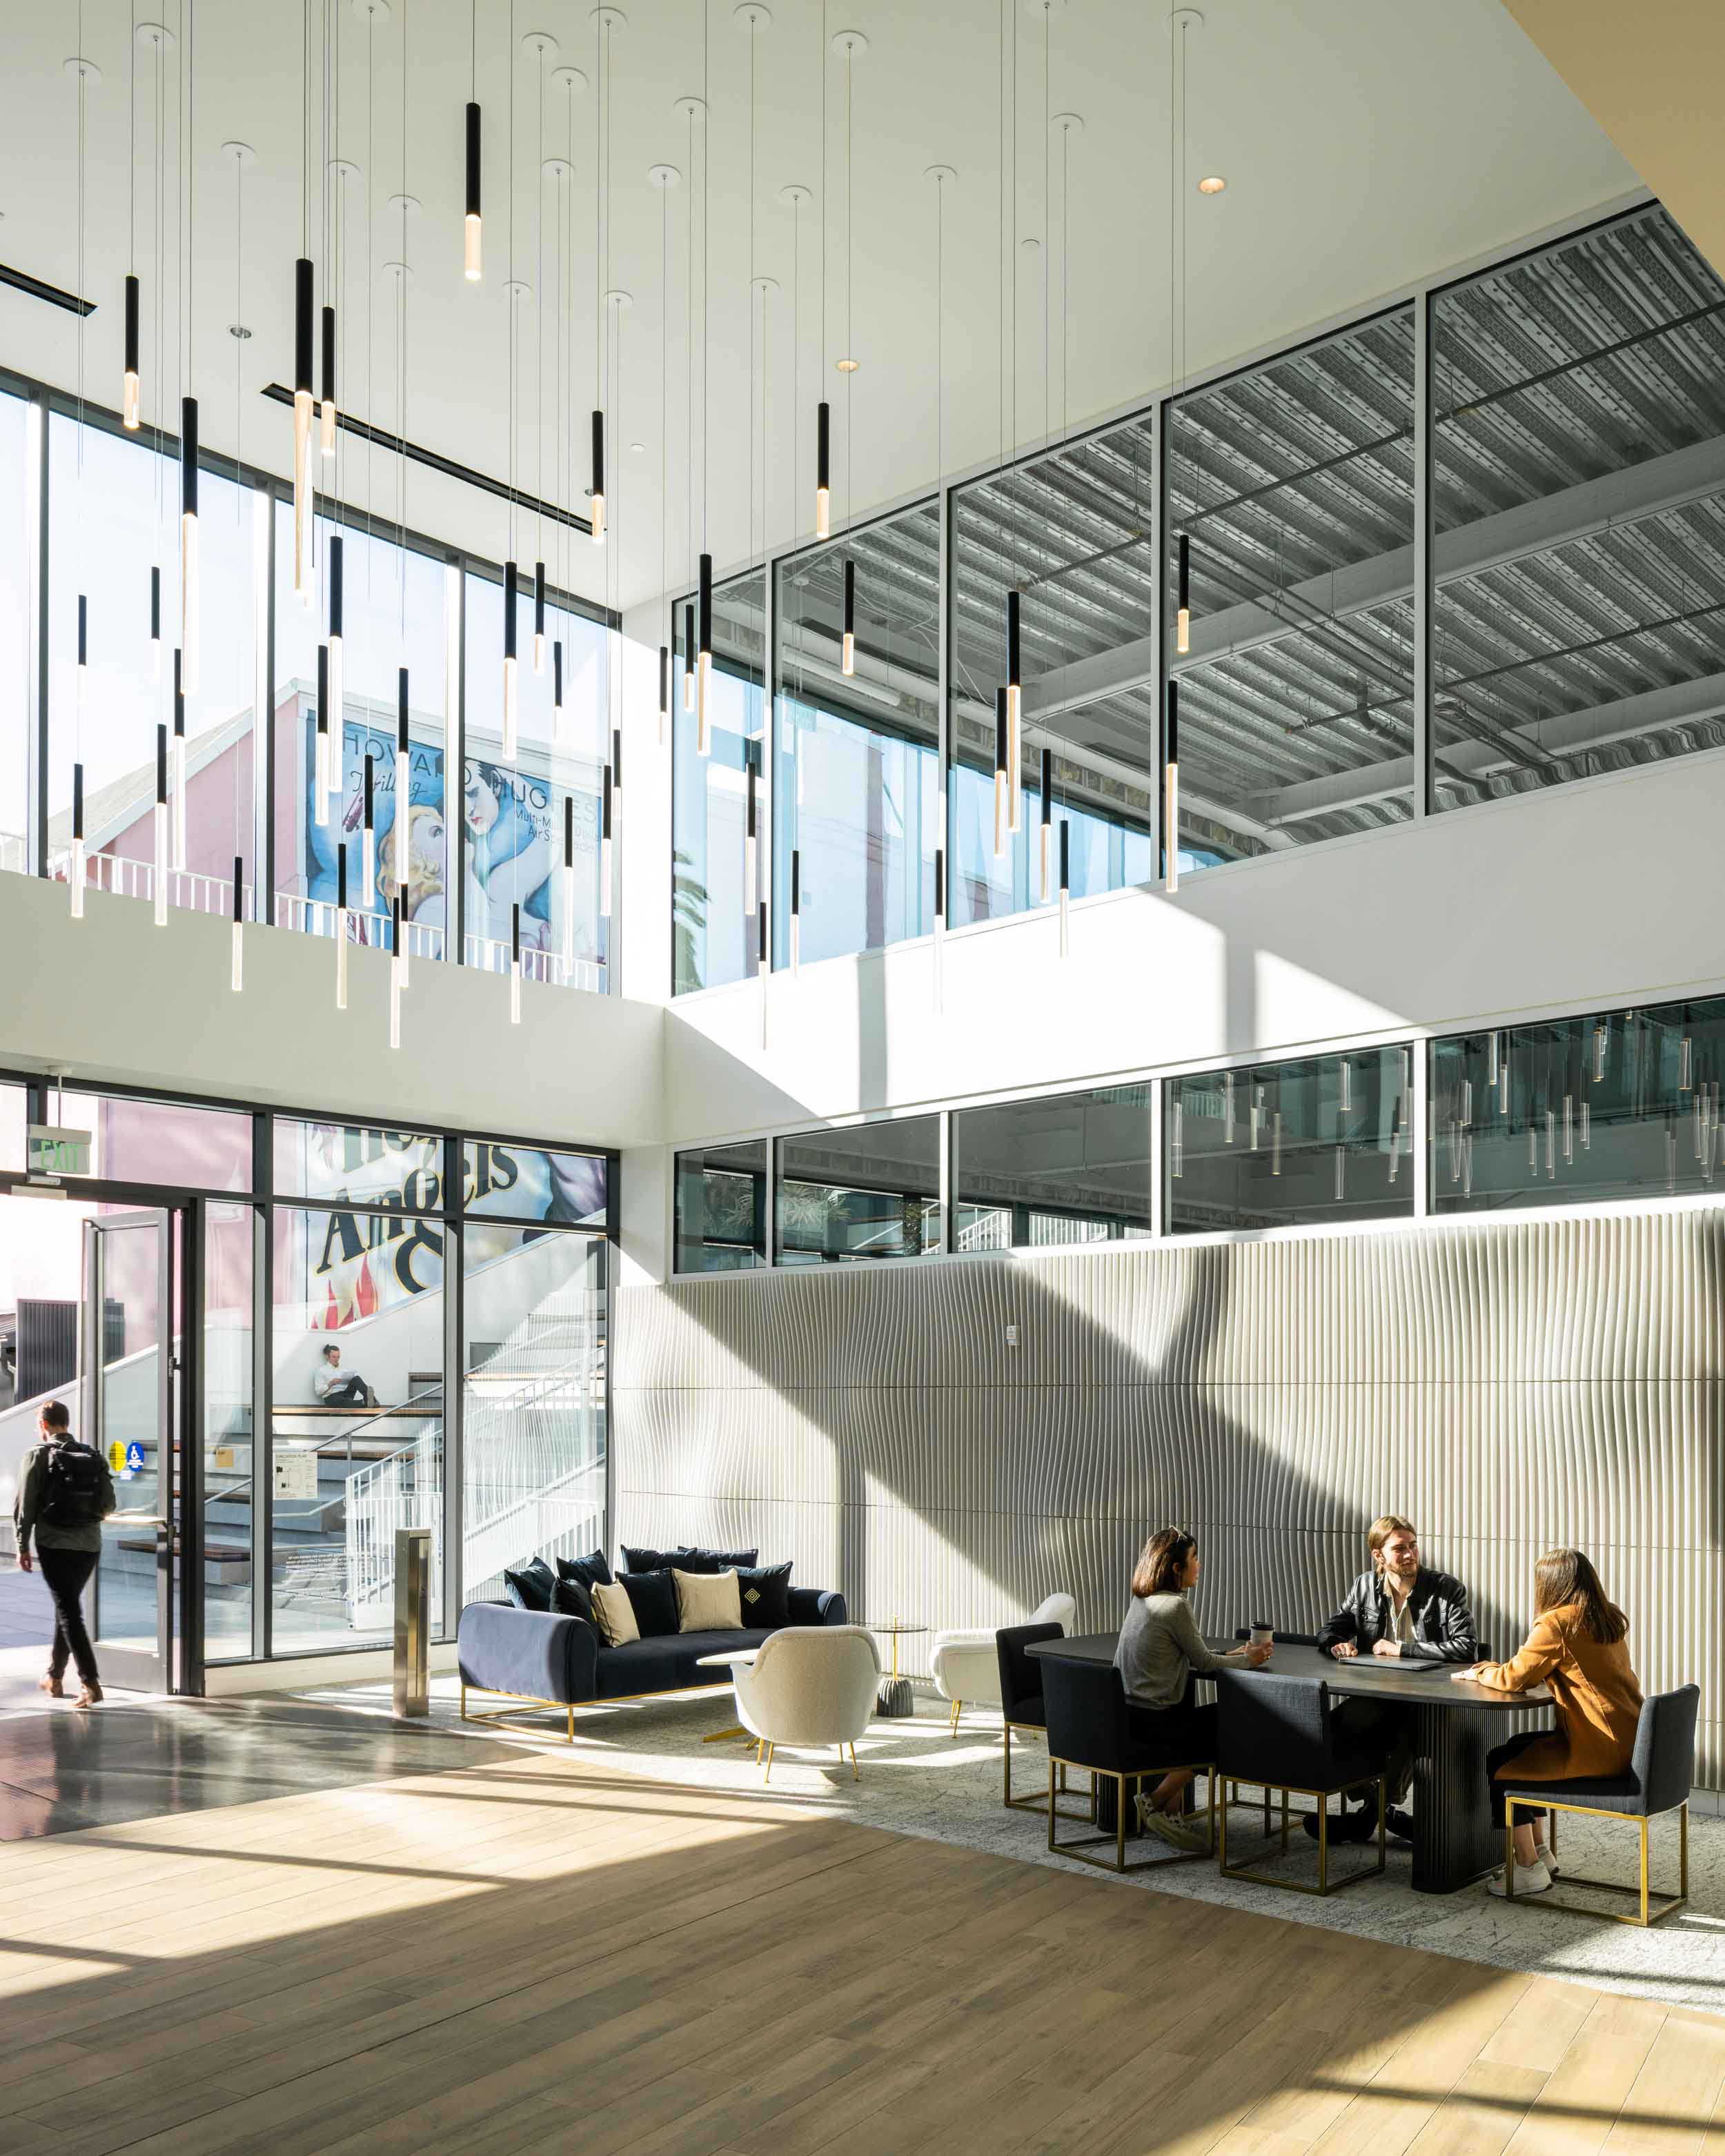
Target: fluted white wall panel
{"type": "Point", "coordinates": [1509, 1385]}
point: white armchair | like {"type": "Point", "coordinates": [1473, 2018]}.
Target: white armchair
{"type": "Point", "coordinates": [966, 1665]}
{"type": "Point", "coordinates": [810, 1684]}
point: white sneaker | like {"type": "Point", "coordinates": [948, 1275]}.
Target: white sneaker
{"type": "Point", "coordinates": [1530, 1879]}
{"type": "Point", "coordinates": [1172, 1829]}
{"type": "Point", "coordinates": [1542, 1856]}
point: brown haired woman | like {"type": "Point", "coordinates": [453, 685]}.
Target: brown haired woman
{"type": "Point", "coordinates": [1577, 1648]}
{"type": "Point", "coordinates": [1160, 1650]}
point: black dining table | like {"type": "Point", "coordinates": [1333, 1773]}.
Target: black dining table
{"type": "Point", "coordinates": [1455, 1726]}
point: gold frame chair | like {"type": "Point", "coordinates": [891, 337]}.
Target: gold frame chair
{"type": "Point", "coordinates": [1079, 1852]}
{"type": "Point", "coordinates": [1325, 1887]}
{"type": "Point", "coordinates": [1033, 1803]}
{"type": "Point", "coordinates": [1648, 1916]}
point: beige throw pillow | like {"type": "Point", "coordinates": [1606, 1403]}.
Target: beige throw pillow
{"type": "Point", "coordinates": [616, 1615]}
{"type": "Point", "coordinates": [708, 1602]}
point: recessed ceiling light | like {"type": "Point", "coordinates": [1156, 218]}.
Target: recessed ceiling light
{"type": "Point", "coordinates": [847, 366]}
{"type": "Point", "coordinates": [637, 448]}
{"type": "Point", "coordinates": [1212, 184]}
{"type": "Point", "coordinates": [239, 329]}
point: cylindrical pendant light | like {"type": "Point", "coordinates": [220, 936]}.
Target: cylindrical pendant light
{"type": "Point", "coordinates": [539, 618]}
{"type": "Point", "coordinates": [154, 623]}
{"type": "Point", "coordinates": [568, 889]}
{"type": "Point", "coordinates": [369, 840]}
{"type": "Point", "coordinates": [598, 479]}
{"type": "Point", "coordinates": [179, 770]}
{"type": "Point", "coordinates": [1047, 827]}
{"type": "Point", "coordinates": [704, 658]}
{"type": "Point", "coordinates": [750, 842]}
{"type": "Point", "coordinates": [847, 650]}
{"type": "Point", "coordinates": [236, 962]}
{"type": "Point", "coordinates": [822, 457]}
{"type": "Point", "coordinates": [1065, 880]}
{"type": "Point", "coordinates": [557, 688]}
{"type": "Point", "coordinates": [796, 908]}
{"type": "Point", "coordinates": [472, 235]}
{"type": "Point", "coordinates": [395, 968]}
{"type": "Point", "coordinates": [337, 628]}
{"type": "Point", "coordinates": [511, 708]}
{"type": "Point", "coordinates": [302, 429]}
{"type": "Point", "coordinates": [607, 788]}
{"type": "Point", "coordinates": [328, 415]}
{"type": "Point", "coordinates": [83, 648]}
{"type": "Point", "coordinates": [77, 871]}
{"type": "Point", "coordinates": [1013, 712]}
{"type": "Point", "coordinates": [188, 541]}
{"type": "Point", "coordinates": [403, 822]}
{"type": "Point", "coordinates": [1000, 735]}
{"type": "Point", "coordinates": [1183, 613]}
{"type": "Point", "coordinates": [341, 927]}
{"type": "Point", "coordinates": [689, 657]}
{"type": "Point", "coordinates": [761, 966]}
{"type": "Point", "coordinates": [1171, 787]}
{"type": "Point", "coordinates": [161, 892]}
{"type": "Point", "coordinates": [664, 690]}
{"type": "Point", "coordinates": [320, 768]}
{"type": "Point", "coordinates": [129, 401]}
{"type": "Point", "coordinates": [514, 964]}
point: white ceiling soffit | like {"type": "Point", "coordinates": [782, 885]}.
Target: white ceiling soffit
{"type": "Point", "coordinates": [1365, 143]}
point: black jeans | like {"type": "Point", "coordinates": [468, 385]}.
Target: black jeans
{"type": "Point", "coordinates": [66, 1573]}
{"type": "Point", "coordinates": [349, 1393]}
{"type": "Point", "coordinates": [1500, 1755]}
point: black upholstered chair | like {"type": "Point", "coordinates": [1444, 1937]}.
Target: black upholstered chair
{"type": "Point", "coordinates": [1021, 1695]}
{"type": "Point", "coordinates": [1277, 1637]}
{"type": "Point", "coordinates": [1278, 1731]}
{"type": "Point", "coordinates": [1661, 1767]}
{"type": "Point", "coordinates": [1089, 1726]}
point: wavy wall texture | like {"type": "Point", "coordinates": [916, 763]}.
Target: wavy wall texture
{"type": "Point", "coordinates": [1509, 1386]}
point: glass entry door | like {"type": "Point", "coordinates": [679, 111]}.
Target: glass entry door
{"type": "Point", "coordinates": [128, 1365]}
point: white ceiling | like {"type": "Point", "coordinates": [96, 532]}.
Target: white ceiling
{"type": "Point", "coordinates": [1366, 143]}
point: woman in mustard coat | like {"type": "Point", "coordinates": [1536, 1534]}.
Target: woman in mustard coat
{"type": "Point", "coordinates": [1576, 1649]}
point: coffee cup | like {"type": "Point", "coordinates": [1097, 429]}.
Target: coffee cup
{"type": "Point", "coordinates": [1262, 1635]}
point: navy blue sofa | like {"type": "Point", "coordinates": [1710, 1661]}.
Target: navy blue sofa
{"type": "Point", "coordinates": [531, 1656]}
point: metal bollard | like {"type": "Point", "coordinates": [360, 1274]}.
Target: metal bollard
{"type": "Point", "coordinates": [413, 1621]}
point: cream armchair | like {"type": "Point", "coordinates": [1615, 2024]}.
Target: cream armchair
{"type": "Point", "coordinates": [810, 1685]}
{"type": "Point", "coordinates": [966, 1665]}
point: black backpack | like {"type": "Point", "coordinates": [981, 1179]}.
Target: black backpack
{"type": "Point", "coordinates": [77, 1494]}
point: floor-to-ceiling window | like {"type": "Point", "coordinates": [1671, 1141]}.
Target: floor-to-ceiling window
{"type": "Point", "coordinates": [857, 737]}
{"type": "Point", "coordinates": [114, 543]}
{"type": "Point", "coordinates": [530, 823]}
{"type": "Point", "coordinates": [18, 541]}
{"type": "Point", "coordinates": [1580, 513]}
{"type": "Point", "coordinates": [716, 866]}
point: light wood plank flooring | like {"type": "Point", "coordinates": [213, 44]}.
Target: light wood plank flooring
{"type": "Point", "coordinates": [535, 1955]}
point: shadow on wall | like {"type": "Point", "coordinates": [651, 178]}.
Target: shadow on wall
{"type": "Point", "coordinates": [1508, 1386]}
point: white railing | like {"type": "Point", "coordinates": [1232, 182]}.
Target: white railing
{"type": "Point", "coordinates": [316, 916]}
{"type": "Point", "coordinates": [548, 968]}
{"type": "Point", "coordinates": [404, 1491]}
{"type": "Point", "coordinates": [122, 877]}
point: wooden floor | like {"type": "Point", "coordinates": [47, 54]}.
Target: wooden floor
{"type": "Point", "coordinates": [533, 1955]}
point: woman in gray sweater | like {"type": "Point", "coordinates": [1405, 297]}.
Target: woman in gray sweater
{"type": "Point", "coordinates": [1161, 1650]}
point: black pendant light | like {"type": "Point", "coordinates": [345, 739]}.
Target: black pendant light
{"type": "Point", "coordinates": [154, 622]}
{"type": "Point", "coordinates": [404, 804]}
{"type": "Point", "coordinates": [1171, 787]}
{"type": "Point", "coordinates": [83, 648]}
{"type": "Point", "coordinates": [514, 963]}
{"type": "Point", "coordinates": [598, 479]}
{"type": "Point", "coordinates": [77, 871]}
{"type": "Point", "coordinates": [302, 429]}
{"type": "Point", "coordinates": [665, 658]}
{"type": "Point", "coordinates": [750, 830]}
{"type": "Point", "coordinates": [607, 809]}
{"type": "Point", "coordinates": [796, 909]}
{"type": "Point", "coordinates": [568, 889]}
{"type": "Point", "coordinates": [179, 764]}
{"type": "Point", "coordinates": [395, 914]}
{"type": "Point", "coordinates": [472, 245]}
{"type": "Point", "coordinates": [337, 647]}
{"type": "Point", "coordinates": [1000, 734]}
{"type": "Point", "coordinates": [1182, 612]}
{"type": "Point", "coordinates": [823, 459]}
{"type": "Point", "coordinates": [327, 442]}
{"type": "Point", "coordinates": [161, 891]}
{"type": "Point", "coordinates": [368, 839]}
{"type": "Point", "coordinates": [320, 772]}
{"type": "Point", "coordinates": [1014, 718]}
{"type": "Point", "coordinates": [557, 688]}
{"type": "Point", "coordinates": [511, 706]}
{"type": "Point", "coordinates": [847, 660]}
{"type": "Point", "coordinates": [1047, 822]}
{"type": "Point", "coordinates": [236, 934]}
{"type": "Point", "coordinates": [341, 926]}
{"type": "Point", "coordinates": [704, 658]}
{"type": "Point", "coordinates": [539, 617]}
{"type": "Point", "coordinates": [188, 541]}
{"type": "Point", "coordinates": [129, 401]}
{"type": "Point", "coordinates": [1065, 880]}
{"type": "Point", "coordinates": [689, 657]}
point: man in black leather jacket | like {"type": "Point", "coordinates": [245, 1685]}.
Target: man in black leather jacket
{"type": "Point", "coordinates": [1398, 1608]}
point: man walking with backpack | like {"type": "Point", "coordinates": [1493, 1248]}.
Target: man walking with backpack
{"type": "Point", "coordinates": [65, 1493]}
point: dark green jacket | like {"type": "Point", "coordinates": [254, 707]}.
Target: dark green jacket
{"type": "Point", "coordinates": [33, 1496]}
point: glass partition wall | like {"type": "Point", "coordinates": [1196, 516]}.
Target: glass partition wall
{"type": "Point", "coordinates": [719, 783]}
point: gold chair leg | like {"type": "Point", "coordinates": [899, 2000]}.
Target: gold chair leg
{"type": "Point", "coordinates": [1050, 1801]}
{"type": "Point", "coordinates": [1006, 1754]}
{"type": "Point", "coordinates": [1683, 1861]}
{"type": "Point", "coordinates": [767, 1776]}
{"type": "Point", "coordinates": [1509, 1849]}
{"type": "Point", "coordinates": [1644, 1872]}
{"type": "Point", "coordinates": [1323, 1840]}
{"type": "Point", "coordinates": [854, 1775]}
{"type": "Point", "coordinates": [1120, 1823]}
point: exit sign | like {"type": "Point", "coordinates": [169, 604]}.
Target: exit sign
{"type": "Point", "coordinates": [57, 1151]}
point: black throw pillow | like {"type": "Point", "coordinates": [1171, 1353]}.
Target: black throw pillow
{"type": "Point", "coordinates": [653, 1597]}
{"type": "Point", "coordinates": [570, 1598]}
{"type": "Point", "coordinates": [689, 1560]}
{"type": "Point", "coordinates": [765, 1592]}
{"type": "Point", "coordinates": [594, 1571]}
{"type": "Point", "coordinates": [529, 1586]}
{"type": "Point", "coordinates": [648, 1560]}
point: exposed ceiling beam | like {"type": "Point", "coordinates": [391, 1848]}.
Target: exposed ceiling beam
{"type": "Point", "coordinates": [1533, 528]}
